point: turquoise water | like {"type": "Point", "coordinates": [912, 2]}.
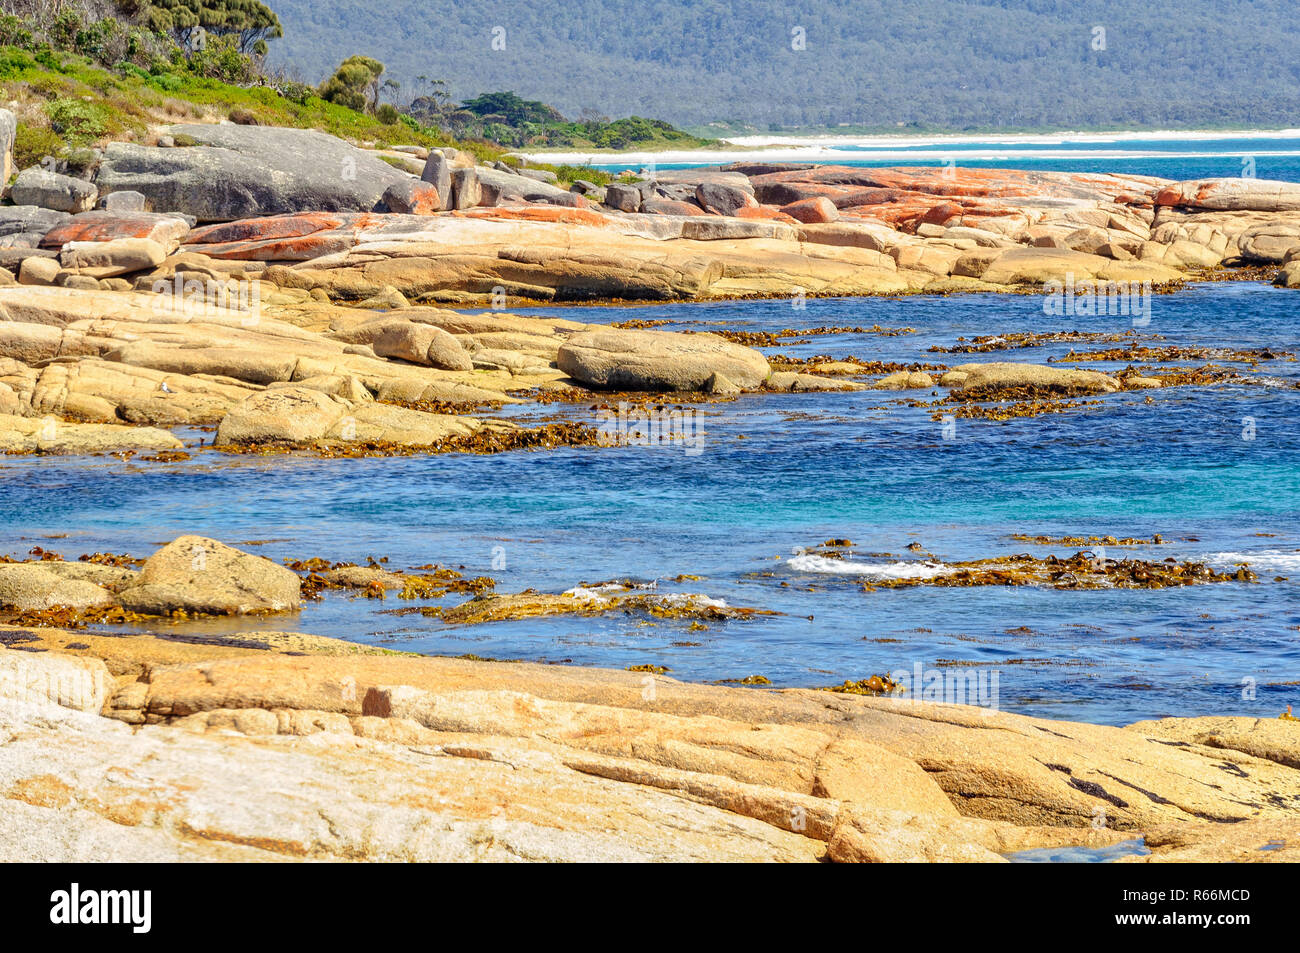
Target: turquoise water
{"type": "Point", "coordinates": [1171, 157]}
{"type": "Point", "coordinates": [779, 472]}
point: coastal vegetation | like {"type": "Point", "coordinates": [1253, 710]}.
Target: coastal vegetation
{"type": "Point", "coordinates": [907, 65]}
{"type": "Point", "coordinates": [112, 69]}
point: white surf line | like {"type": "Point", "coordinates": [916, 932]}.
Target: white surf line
{"type": "Point", "coordinates": [887, 148]}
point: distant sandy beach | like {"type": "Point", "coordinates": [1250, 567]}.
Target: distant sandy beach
{"type": "Point", "coordinates": [937, 148]}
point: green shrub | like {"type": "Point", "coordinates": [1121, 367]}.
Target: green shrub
{"type": "Point", "coordinates": [78, 121]}
{"type": "Point", "coordinates": [34, 143]}
{"type": "Point", "coordinates": [15, 32]}
{"type": "Point", "coordinates": [14, 63]}
{"type": "Point", "coordinates": [130, 69]}
{"type": "Point", "coordinates": [81, 161]}
{"type": "Point", "coordinates": [387, 114]}
{"type": "Point", "coordinates": [220, 59]}
{"type": "Point", "coordinates": [63, 30]}
{"type": "Point", "coordinates": [49, 59]}
{"type": "Point", "coordinates": [167, 82]}
{"type": "Point", "coordinates": [297, 93]}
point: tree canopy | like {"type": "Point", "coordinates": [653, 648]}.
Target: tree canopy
{"type": "Point", "coordinates": [891, 63]}
{"type": "Point", "coordinates": [355, 84]}
{"type": "Point", "coordinates": [251, 21]}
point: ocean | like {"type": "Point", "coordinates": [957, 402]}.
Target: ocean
{"type": "Point", "coordinates": [1215, 470]}
{"type": "Point", "coordinates": [1178, 156]}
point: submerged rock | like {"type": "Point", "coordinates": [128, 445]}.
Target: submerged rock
{"type": "Point", "coordinates": [1031, 379]}
{"type": "Point", "coordinates": [905, 380]}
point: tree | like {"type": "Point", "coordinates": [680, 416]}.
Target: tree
{"type": "Point", "coordinates": [355, 84]}
{"type": "Point", "coordinates": [512, 109]}
{"type": "Point", "coordinates": [250, 22]}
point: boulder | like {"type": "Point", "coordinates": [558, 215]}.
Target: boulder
{"type": "Point", "coordinates": [124, 201]}
{"type": "Point", "coordinates": [197, 575]}
{"type": "Point", "coordinates": [62, 193]}
{"type": "Point", "coordinates": [724, 199]}
{"type": "Point", "coordinates": [662, 206]}
{"type": "Point", "coordinates": [38, 271]}
{"type": "Point", "coordinates": [791, 382]}
{"type": "Point", "coordinates": [244, 171]}
{"type": "Point", "coordinates": [109, 259]}
{"type": "Point", "coordinates": [388, 299]}
{"type": "Point", "coordinates": [1038, 265]}
{"type": "Point", "coordinates": [509, 186]}
{"type": "Point", "coordinates": [696, 177]}
{"type": "Point", "coordinates": [413, 197]}
{"type": "Point", "coordinates": [1185, 254]}
{"type": "Point", "coordinates": [709, 228]}
{"type": "Point", "coordinates": [66, 279]}
{"type": "Point", "coordinates": [623, 197]}
{"type": "Point", "coordinates": [905, 380]}
{"type": "Point", "coordinates": [1289, 276]}
{"type": "Point", "coordinates": [23, 226]}
{"type": "Point", "coordinates": [28, 586]}
{"type": "Point", "coordinates": [1232, 194]}
{"type": "Point", "coordinates": [288, 414]}
{"type": "Point", "coordinates": [8, 131]}
{"type": "Point", "coordinates": [411, 341]}
{"type": "Point", "coordinates": [539, 175]}
{"type": "Point", "coordinates": [105, 225]}
{"type": "Point", "coordinates": [1269, 243]}
{"type": "Point", "coordinates": [1004, 375]}
{"type": "Point", "coordinates": [813, 211]}
{"type": "Point", "coordinates": [297, 414]}
{"type": "Point", "coordinates": [973, 263]}
{"type": "Point", "coordinates": [981, 237]}
{"type": "Point", "coordinates": [437, 172]}
{"type": "Point", "coordinates": [465, 189]}
{"type": "Point", "coordinates": [869, 235]}
{"type": "Point", "coordinates": [658, 360]}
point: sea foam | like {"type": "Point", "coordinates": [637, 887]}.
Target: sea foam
{"type": "Point", "coordinates": [882, 570]}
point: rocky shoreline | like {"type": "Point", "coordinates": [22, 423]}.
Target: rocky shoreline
{"type": "Point", "coordinates": [145, 747]}
{"type": "Point", "coordinates": [255, 290]}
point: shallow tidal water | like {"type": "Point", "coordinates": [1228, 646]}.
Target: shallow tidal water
{"type": "Point", "coordinates": [775, 473]}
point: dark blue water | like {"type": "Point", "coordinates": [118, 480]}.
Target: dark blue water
{"type": "Point", "coordinates": [779, 472]}
{"type": "Point", "coordinates": [1274, 156]}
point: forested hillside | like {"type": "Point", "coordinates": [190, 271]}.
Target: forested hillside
{"type": "Point", "coordinates": [984, 63]}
